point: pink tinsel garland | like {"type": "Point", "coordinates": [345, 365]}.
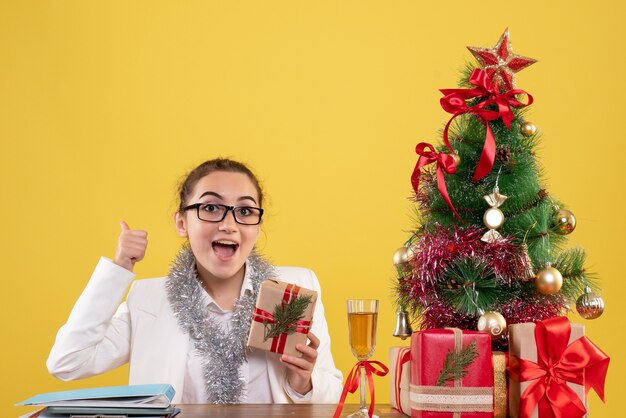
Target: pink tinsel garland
{"type": "Point", "coordinates": [436, 249]}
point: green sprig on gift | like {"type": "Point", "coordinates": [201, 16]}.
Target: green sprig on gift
{"type": "Point", "coordinates": [456, 363]}
{"type": "Point", "coordinates": [285, 317]}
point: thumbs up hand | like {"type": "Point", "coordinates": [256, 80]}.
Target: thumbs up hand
{"type": "Point", "coordinates": [131, 247]}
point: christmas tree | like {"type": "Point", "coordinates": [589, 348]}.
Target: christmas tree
{"type": "Point", "coordinates": [489, 248]}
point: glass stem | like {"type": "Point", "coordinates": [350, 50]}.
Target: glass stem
{"type": "Point", "coordinates": [362, 391]}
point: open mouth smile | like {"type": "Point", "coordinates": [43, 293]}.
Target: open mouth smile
{"type": "Point", "coordinates": [224, 249]}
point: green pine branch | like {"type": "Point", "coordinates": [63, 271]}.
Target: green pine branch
{"type": "Point", "coordinates": [455, 364]}
{"type": "Point", "coordinates": [470, 285]}
{"type": "Point", "coordinates": [571, 264]}
{"type": "Point", "coordinates": [286, 315]}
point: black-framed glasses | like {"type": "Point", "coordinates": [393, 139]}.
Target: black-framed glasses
{"type": "Point", "coordinates": [213, 212]}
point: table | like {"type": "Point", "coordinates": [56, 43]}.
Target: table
{"type": "Point", "coordinates": [276, 410]}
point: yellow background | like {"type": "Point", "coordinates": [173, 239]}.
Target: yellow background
{"type": "Point", "coordinates": [104, 105]}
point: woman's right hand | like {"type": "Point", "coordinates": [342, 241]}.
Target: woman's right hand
{"type": "Point", "coordinates": [131, 247]}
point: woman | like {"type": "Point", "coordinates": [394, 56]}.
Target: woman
{"type": "Point", "coordinates": [189, 329]}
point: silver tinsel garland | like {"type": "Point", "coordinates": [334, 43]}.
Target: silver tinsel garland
{"type": "Point", "coordinates": [222, 352]}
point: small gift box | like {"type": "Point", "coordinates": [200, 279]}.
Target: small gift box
{"type": "Point", "coordinates": [451, 374]}
{"type": "Point", "coordinates": [282, 317]}
{"type": "Point", "coordinates": [399, 366]}
{"type": "Point", "coordinates": [552, 367]}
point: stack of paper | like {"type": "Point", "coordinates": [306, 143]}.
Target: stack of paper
{"type": "Point", "coordinates": [136, 401]}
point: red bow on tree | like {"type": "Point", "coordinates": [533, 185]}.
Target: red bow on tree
{"type": "Point", "coordinates": [580, 362]}
{"type": "Point", "coordinates": [454, 102]}
{"type": "Point", "coordinates": [445, 163]}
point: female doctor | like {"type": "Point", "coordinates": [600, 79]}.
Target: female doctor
{"type": "Point", "coordinates": [189, 329]}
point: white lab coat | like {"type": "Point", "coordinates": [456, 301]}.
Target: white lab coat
{"type": "Point", "coordinates": [104, 332]}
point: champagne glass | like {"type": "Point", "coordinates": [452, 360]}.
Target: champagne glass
{"type": "Point", "coordinates": [362, 318]}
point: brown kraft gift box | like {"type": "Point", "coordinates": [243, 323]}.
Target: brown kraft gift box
{"type": "Point", "coordinates": [523, 345]}
{"type": "Point", "coordinates": [272, 294]}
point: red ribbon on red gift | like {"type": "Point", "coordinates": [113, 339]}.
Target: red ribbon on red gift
{"type": "Point", "coordinates": [352, 382]}
{"type": "Point", "coordinates": [263, 316]}
{"type": "Point", "coordinates": [404, 356]}
{"type": "Point", "coordinates": [454, 102]}
{"type": "Point", "coordinates": [445, 163]}
{"type": "Point", "coordinates": [580, 362]}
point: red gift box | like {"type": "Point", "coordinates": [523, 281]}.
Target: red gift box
{"type": "Point", "coordinates": [468, 397]}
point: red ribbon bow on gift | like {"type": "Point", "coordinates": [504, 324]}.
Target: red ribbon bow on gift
{"type": "Point", "coordinates": [445, 162]}
{"type": "Point", "coordinates": [300, 326]}
{"type": "Point", "coordinates": [454, 102]}
{"type": "Point", "coordinates": [580, 362]}
{"type": "Point", "coordinates": [352, 382]}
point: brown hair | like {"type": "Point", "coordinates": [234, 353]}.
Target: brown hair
{"type": "Point", "coordinates": [211, 166]}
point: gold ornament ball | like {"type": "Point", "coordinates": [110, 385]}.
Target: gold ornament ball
{"type": "Point", "coordinates": [548, 281]}
{"type": "Point", "coordinates": [457, 159]}
{"type": "Point", "coordinates": [529, 274]}
{"type": "Point", "coordinates": [565, 222]}
{"type": "Point", "coordinates": [493, 218]}
{"type": "Point", "coordinates": [402, 256]}
{"type": "Point", "coordinates": [493, 323]}
{"type": "Point", "coordinates": [528, 129]}
{"type": "Point", "coordinates": [590, 305]}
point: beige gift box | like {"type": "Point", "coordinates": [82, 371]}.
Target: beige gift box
{"type": "Point", "coordinates": [400, 380]}
{"type": "Point", "coordinates": [273, 293]}
{"type": "Point", "coordinates": [523, 345]}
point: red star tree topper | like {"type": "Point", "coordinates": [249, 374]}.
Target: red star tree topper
{"type": "Point", "coordinates": [500, 62]}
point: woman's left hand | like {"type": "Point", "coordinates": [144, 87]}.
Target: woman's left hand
{"type": "Point", "coordinates": [299, 369]}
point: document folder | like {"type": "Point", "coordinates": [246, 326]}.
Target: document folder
{"type": "Point", "coordinates": [138, 401]}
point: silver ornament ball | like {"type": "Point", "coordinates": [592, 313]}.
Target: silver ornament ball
{"type": "Point", "coordinates": [590, 305]}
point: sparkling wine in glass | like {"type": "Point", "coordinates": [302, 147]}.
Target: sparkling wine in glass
{"type": "Point", "coordinates": [362, 318]}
